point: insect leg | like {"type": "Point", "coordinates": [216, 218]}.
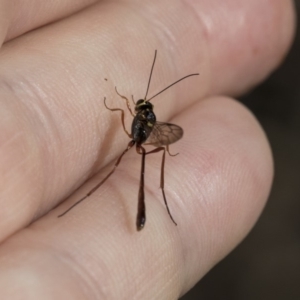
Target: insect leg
{"type": "Point", "coordinates": [122, 117]}
{"type": "Point", "coordinates": [126, 100]}
{"type": "Point", "coordinates": [133, 100]}
{"type": "Point", "coordinates": [130, 145]}
{"type": "Point", "coordinates": [141, 213]}
{"type": "Point", "coordinates": [168, 150]}
{"type": "Point", "coordinates": [162, 176]}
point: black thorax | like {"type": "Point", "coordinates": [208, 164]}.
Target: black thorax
{"type": "Point", "coordinates": [143, 121]}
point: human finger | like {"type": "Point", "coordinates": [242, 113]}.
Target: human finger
{"type": "Point", "coordinates": [216, 189]}
{"type": "Point", "coordinates": [19, 17]}
{"type": "Point", "coordinates": [55, 129]}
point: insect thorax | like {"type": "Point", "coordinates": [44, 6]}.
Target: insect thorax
{"type": "Point", "coordinates": [142, 124]}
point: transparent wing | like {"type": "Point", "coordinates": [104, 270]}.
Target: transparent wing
{"type": "Point", "coordinates": [164, 134]}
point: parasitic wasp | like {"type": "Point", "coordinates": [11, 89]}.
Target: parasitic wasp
{"type": "Point", "coordinates": [145, 130]}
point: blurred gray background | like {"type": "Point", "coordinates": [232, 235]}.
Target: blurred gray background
{"type": "Point", "coordinates": [267, 264]}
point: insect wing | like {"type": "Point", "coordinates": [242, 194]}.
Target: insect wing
{"type": "Point", "coordinates": [164, 134]}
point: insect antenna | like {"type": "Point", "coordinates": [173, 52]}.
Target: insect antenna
{"type": "Point", "coordinates": [150, 74]}
{"type": "Point", "coordinates": [172, 85]}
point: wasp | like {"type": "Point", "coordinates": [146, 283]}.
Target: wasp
{"type": "Point", "coordinates": [145, 130]}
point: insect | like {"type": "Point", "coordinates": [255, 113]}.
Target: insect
{"type": "Point", "coordinates": [145, 130]}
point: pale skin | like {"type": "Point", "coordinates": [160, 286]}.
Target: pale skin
{"type": "Point", "coordinates": [56, 133]}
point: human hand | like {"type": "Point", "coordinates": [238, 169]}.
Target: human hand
{"type": "Point", "coordinates": [56, 132]}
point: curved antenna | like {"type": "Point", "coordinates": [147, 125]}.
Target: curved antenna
{"type": "Point", "coordinates": [172, 85]}
{"type": "Point", "coordinates": [150, 75]}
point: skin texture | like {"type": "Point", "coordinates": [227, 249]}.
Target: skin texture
{"type": "Point", "coordinates": [56, 133]}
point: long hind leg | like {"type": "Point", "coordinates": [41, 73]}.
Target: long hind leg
{"type": "Point", "coordinates": [130, 145]}
{"type": "Point", "coordinates": [162, 174]}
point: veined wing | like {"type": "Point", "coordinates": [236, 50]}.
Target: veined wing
{"type": "Point", "coordinates": [164, 134]}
